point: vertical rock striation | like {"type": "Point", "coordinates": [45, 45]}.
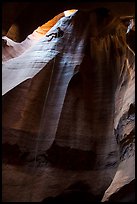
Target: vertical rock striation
{"type": "Point", "coordinates": [73, 116]}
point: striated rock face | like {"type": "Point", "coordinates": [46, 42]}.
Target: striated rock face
{"type": "Point", "coordinates": [11, 49]}
{"type": "Point", "coordinates": [68, 114]}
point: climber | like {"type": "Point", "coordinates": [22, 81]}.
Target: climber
{"type": "Point", "coordinates": [58, 34]}
{"type": "Point", "coordinates": [4, 42]}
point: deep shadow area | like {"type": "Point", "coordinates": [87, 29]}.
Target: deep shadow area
{"type": "Point", "coordinates": [72, 159]}
{"type": "Point", "coordinates": [75, 193]}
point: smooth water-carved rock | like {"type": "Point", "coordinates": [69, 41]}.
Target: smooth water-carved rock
{"type": "Point", "coordinates": [73, 116]}
{"type": "Point", "coordinates": [11, 49]}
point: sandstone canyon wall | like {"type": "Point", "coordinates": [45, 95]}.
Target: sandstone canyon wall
{"type": "Point", "coordinates": [68, 113]}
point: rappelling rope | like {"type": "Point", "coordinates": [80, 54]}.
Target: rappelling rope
{"type": "Point", "coordinates": [44, 107]}
{"type": "Point", "coordinates": [43, 112]}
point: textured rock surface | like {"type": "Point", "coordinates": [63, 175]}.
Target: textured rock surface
{"type": "Point", "coordinates": [17, 14]}
{"type": "Point", "coordinates": [12, 49]}
{"type": "Point", "coordinates": [73, 116]}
